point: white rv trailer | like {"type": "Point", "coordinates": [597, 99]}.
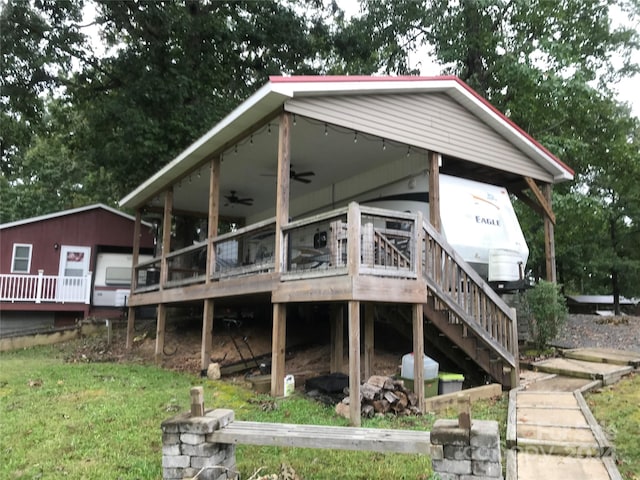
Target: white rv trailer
{"type": "Point", "coordinates": [112, 279]}
{"type": "Point", "coordinates": [478, 221]}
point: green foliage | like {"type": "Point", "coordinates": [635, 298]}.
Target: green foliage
{"type": "Point", "coordinates": [616, 409]}
{"type": "Point", "coordinates": [545, 308]}
{"type": "Point", "coordinates": [97, 420]}
{"type": "Point", "coordinates": [169, 71]}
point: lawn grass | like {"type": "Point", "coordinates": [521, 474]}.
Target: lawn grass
{"type": "Point", "coordinates": [617, 410]}
{"type": "Point", "coordinates": [102, 420]}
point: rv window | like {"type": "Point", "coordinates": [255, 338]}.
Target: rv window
{"type": "Point", "coordinates": [117, 276]}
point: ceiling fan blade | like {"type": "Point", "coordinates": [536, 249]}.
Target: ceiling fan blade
{"type": "Point", "coordinates": [304, 174]}
{"type": "Point", "coordinates": [301, 179]}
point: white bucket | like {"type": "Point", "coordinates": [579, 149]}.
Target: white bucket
{"type": "Point", "coordinates": [289, 385]}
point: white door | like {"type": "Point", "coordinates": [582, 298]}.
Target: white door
{"type": "Point", "coordinates": [74, 268]}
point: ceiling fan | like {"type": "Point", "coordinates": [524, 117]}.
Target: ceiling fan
{"type": "Point", "coordinates": [300, 176]}
{"type": "Point", "coordinates": [233, 199]}
{"type": "Point", "coordinates": [297, 176]}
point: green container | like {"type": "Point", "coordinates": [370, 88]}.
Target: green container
{"type": "Point", "coordinates": [430, 386]}
{"type": "Point", "coordinates": [449, 382]}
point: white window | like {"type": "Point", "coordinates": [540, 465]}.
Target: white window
{"type": "Point", "coordinates": [21, 262]}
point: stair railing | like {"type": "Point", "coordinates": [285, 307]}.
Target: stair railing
{"type": "Point", "coordinates": [470, 301]}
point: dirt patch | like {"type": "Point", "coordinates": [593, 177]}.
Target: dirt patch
{"type": "Point", "coordinates": [306, 354]}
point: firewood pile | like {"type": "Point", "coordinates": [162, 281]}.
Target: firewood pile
{"type": "Point", "coordinates": [382, 395]}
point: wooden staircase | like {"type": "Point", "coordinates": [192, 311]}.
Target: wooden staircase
{"type": "Point", "coordinates": [467, 311]}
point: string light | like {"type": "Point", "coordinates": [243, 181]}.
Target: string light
{"type": "Point", "coordinates": [355, 137]}
{"type": "Point", "coordinates": [384, 144]}
{"type": "Point", "coordinates": [326, 131]}
{"type": "Point", "coordinates": [294, 119]}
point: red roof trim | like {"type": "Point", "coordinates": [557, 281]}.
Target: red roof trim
{"type": "Point", "coordinates": [414, 78]}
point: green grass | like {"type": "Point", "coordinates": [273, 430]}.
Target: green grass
{"type": "Point", "coordinates": [617, 410]}
{"type": "Point", "coordinates": [102, 420]}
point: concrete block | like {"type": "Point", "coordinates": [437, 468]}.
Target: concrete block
{"type": "Point", "coordinates": [170, 438]}
{"type": "Point", "coordinates": [436, 452]}
{"type": "Point", "coordinates": [485, 454]}
{"type": "Point", "coordinates": [172, 425]}
{"type": "Point", "coordinates": [486, 469]}
{"type": "Point", "coordinates": [171, 449]}
{"type": "Point", "coordinates": [178, 473]}
{"type": "Point", "coordinates": [458, 467]}
{"type": "Point", "coordinates": [447, 476]}
{"type": "Point", "coordinates": [456, 452]}
{"type": "Point", "coordinates": [224, 416]}
{"type": "Point", "coordinates": [201, 450]}
{"type": "Point", "coordinates": [199, 425]}
{"type": "Point", "coordinates": [476, 477]}
{"type": "Point", "coordinates": [485, 433]}
{"type": "Point", "coordinates": [176, 461]}
{"type": "Point", "coordinates": [209, 461]}
{"type": "Point", "coordinates": [192, 438]}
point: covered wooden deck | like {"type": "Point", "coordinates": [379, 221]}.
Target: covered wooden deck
{"type": "Point", "coordinates": [350, 255]}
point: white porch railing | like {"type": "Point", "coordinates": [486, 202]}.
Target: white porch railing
{"type": "Point", "coordinates": [45, 288]}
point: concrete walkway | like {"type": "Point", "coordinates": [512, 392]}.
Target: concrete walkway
{"type": "Point", "coordinates": [551, 433]}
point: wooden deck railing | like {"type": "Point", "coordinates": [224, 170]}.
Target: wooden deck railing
{"type": "Point", "coordinates": [458, 289]}
{"type": "Point", "coordinates": [45, 288]}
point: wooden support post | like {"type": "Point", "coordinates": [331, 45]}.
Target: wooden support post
{"type": "Point", "coordinates": [337, 338]}
{"type": "Point", "coordinates": [354, 220]}
{"type": "Point", "coordinates": [197, 401]}
{"type": "Point", "coordinates": [278, 346]}
{"type": "Point", "coordinates": [368, 340]}
{"type": "Point", "coordinates": [131, 319]}
{"type": "Point", "coordinates": [214, 215]}
{"type": "Point", "coordinates": [131, 314]}
{"type": "Point", "coordinates": [464, 413]}
{"type": "Point", "coordinates": [549, 238]}
{"type": "Point", "coordinates": [354, 363]}
{"type": "Point", "coordinates": [282, 190]}
{"type": "Point", "coordinates": [418, 352]}
{"type": "Point", "coordinates": [207, 335]}
{"type": "Point", "coordinates": [434, 190]}
{"type": "Point", "coordinates": [166, 237]}
{"type": "Point", "coordinates": [160, 328]}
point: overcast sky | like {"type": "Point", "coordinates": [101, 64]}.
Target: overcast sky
{"type": "Point", "coordinates": [628, 90]}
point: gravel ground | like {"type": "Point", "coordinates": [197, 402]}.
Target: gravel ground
{"type": "Point", "coordinates": [621, 333]}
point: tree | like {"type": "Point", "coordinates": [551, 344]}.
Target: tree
{"type": "Point", "coordinates": [171, 70]}
{"type": "Point", "coordinates": [546, 65]}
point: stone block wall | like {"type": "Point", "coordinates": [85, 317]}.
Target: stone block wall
{"type": "Point", "coordinates": [460, 453]}
{"type": "Point", "coordinates": [187, 452]}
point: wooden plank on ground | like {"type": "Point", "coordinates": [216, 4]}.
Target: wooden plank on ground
{"type": "Point", "coordinates": [327, 437]}
{"type": "Point", "coordinates": [535, 466]}
{"type": "Point", "coordinates": [442, 402]}
{"type": "Point", "coordinates": [604, 355]}
{"type": "Point", "coordinates": [577, 368]}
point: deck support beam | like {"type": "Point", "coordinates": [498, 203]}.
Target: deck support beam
{"type": "Point", "coordinates": [207, 335]}
{"type": "Point", "coordinates": [278, 345]}
{"type": "Point", "coordinates": [212, 232]}
{"type": "Point", "coordinates": [278, 338]}
{"type": "Point", "coordinates": [434, 190]}
{"type": "Point", "coordinates": [549, 237]}
{"type": "Point", "coordinates": [337, 338]}
{"type": "Point", "coordinates": [418, 352]}
{"type": "Point", "coordinates": [160, 328]}
{"type": "Point", "coordinates": [354, 364]}
{"type": "Point", "coordinates": [369, 351]}
{"type": "Point", "coordinates": [131, 313]}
